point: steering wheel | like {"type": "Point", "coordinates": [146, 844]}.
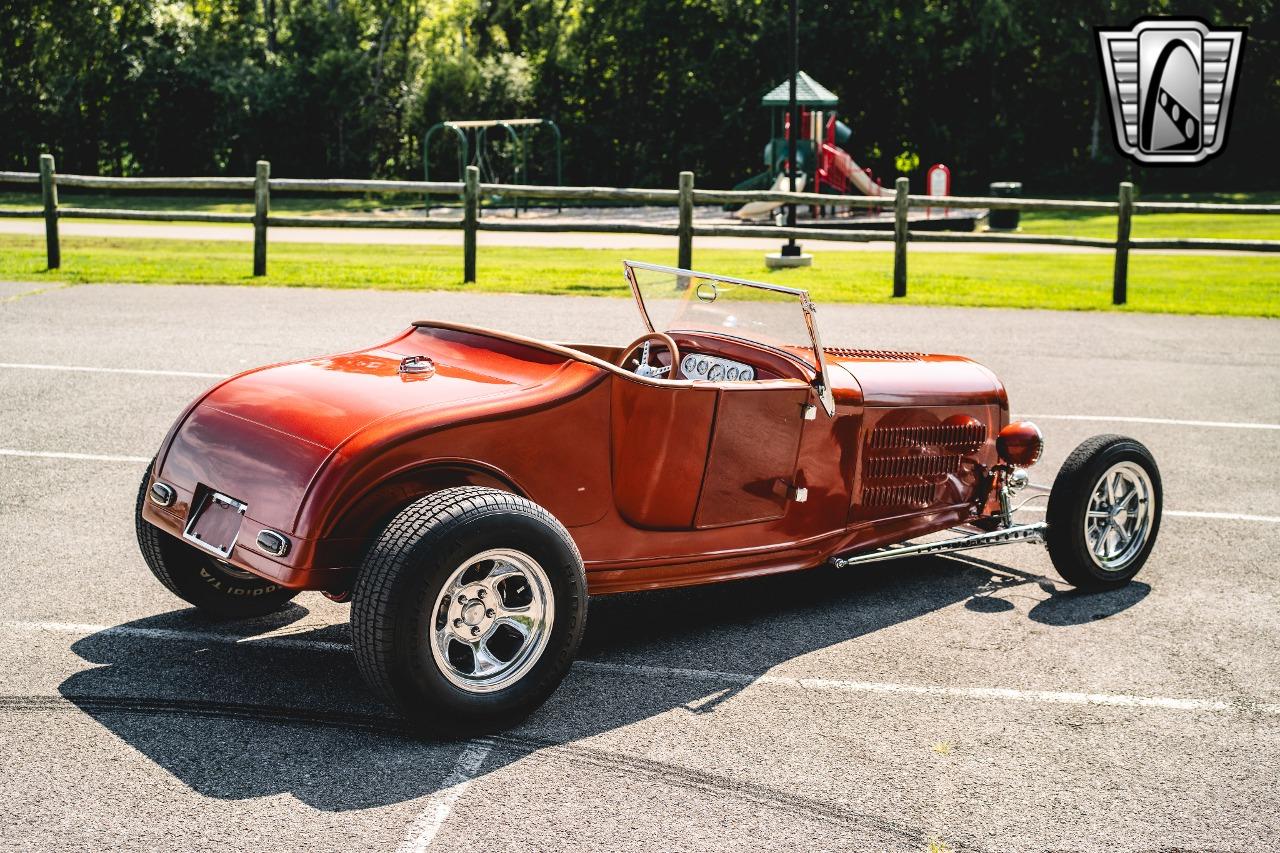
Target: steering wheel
{"type": "Point", "coordinates": [639, 364]}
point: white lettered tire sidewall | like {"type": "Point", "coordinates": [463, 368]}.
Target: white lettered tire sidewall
{"type": "Point", "coordinates": [200, 579]}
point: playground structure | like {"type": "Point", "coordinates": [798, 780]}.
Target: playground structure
{"type": "Point", "coordinates": [823, 162]}
{"type": "Point", "coordinates": [476, 148]}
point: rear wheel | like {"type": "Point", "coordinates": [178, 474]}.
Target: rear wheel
{"type": "Point", "coordinates": [1104, 512]}
{"type": "Point", "coordinates": [214, 586]}
{"type": "Point", "coordinates": [469, 609]}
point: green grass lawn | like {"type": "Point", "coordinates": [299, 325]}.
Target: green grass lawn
{"type": "Point", "coordinates": [1183, 284]}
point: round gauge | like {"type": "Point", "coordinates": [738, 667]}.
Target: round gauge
{"type": "Point", "coordinates": [716, 374]}
{"type": "Point", "coordinates": [747, 374]}
{"type": "Point", "coordinates": [731, 374]}
{"type": "Point", "coordinates": [687, 365]}
{"type": "Point", "coordinates": [703, 365]}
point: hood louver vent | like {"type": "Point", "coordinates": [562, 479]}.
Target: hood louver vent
{"type": "Point", "coordinates": [905, 466]}
{"type": "Point", "coordinates": [904, 496]}
{"type": "Point", "coordinates": [873, 354]}
{"type": "Point", "coordinates": [892, 467]}
{"type": "Point", "coordinates": [958, 437]}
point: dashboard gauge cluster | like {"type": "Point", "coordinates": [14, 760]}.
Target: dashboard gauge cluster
{"type": "Point", "coordinates": [714, 369]}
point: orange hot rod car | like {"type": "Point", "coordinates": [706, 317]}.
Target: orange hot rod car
{"type": "Point", "coordinates": [467, 489]}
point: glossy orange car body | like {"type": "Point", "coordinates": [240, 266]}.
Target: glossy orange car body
{"type": "Point", "coordinates": [660, 482]}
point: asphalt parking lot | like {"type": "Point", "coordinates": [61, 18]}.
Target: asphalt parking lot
{"type": "Point", "coordinates": [954, 702]}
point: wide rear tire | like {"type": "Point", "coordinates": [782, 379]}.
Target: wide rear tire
{"type": "Point", "coordinates": [1104, 512]}
{"type": "Point", "coordinates": [468, 610]}
{"type": "Point", "coordinates": [200, 579]}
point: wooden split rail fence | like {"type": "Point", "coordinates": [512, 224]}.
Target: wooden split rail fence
{"type": "Point", "coordinates": [683, 198]}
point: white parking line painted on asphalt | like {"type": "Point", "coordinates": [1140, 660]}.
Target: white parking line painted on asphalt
{"type": "Point", "coordinates": [833, 685]}
{"type": "Point", "coordinates": [1120, 419]}
{"type": "Point", "coordinates": [125, 631]}
{"type": "Point", "coordinates": [1056, 697]}
{"type": "Point", "coordinates": [1226, 516]}
{"type": "Point", "coordinates": [423, 830]}
{"type": "Point", "coordinates": [137, 371]}
{"type": "Point", "coordinates": [52, 454]}
{"type": "Point", "coordinates": [1187, 513]}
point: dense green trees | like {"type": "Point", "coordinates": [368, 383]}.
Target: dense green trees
{"type": "Point", "coordinates": [997, 89]}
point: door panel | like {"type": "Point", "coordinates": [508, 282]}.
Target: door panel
{"type": "Point", "coordinates": [660, 436]}
{"type": "Point", "coordinates": [753, 453]}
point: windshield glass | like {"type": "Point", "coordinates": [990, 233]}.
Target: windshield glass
{"type": "Point", "coordinates": [678, 300]}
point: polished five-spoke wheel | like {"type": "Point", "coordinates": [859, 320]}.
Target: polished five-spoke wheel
{"type": "Point", "coordinates": [1104, 512]}
{"type": "Point", "coordinates": [468, 610]}
{"type": "Point", "coordinates": [493, 618]}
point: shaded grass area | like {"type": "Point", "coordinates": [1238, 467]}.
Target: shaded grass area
{"type": "Point", "coordinates": [1242, 226]}
{"type": "Point", "coordinates": [1183, 284]}
{"type": "Point", "coordinates": [204, 202]}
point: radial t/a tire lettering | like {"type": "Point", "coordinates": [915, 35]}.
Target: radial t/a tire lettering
{"type": "Point", "coordinates": [217, 588]}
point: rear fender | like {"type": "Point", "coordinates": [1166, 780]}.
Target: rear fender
{"type": "Point", "coordinates": [372, 511]}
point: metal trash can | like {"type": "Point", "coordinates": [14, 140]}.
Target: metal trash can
{"type": "Point", "coordinates": [1004, 220]}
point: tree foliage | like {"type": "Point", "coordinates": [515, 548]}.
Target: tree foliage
{"type": "Point", "coordinates": [997, 89]}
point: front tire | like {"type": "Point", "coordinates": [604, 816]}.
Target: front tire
{"type": "Point", "coordinates": [469, 609]}
{"type": "Point", "coordinates": [1104, 512]}
{"type": "Point", "coordinates": [217, 588]}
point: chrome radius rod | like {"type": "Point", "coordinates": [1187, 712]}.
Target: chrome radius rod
{"type": "Point", "coordinates": [1017, 533]}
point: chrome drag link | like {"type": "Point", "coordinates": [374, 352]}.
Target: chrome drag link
{"type": "Point", "coordinates": [1017, 533]}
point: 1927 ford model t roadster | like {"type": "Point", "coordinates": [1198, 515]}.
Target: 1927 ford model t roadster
{"type": "Point", "coordinates": [467, 489]}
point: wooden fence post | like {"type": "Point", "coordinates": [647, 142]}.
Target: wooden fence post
{"type": "Point", "coordinates": [261, 207]}
{"type": "Point", "coordinates": [685, 236]}
{"type": "Point", "coordinates": [470, 213]}
{"type": "Point", "coordinates": [49, 195]}
{"type": "Point", "coordinates": [1124, 219]}
{"type": "Point", "coordinates": [903, 187]}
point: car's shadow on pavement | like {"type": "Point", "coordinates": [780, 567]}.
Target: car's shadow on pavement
{"type": "Point", "coordinates": [1064, 606]}
{"type": "Point", "coordinates": [238, 720]}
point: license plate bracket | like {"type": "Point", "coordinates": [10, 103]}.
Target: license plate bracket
{"type": "Point", "coordinates": [214, 523]}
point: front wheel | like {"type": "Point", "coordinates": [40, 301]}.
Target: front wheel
{"type": "Point", "coordinates": [1104, 512]}
{"type": "Point", "coordinates": [468, 610]}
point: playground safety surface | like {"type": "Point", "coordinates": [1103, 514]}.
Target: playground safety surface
{"type": "Point", "coordinates": [971, 702]}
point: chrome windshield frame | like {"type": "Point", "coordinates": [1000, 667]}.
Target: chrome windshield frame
{"type": "Point", "coordinates": [821, 384]}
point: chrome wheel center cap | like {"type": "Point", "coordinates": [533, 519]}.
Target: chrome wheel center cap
{"type": "Point", "coordinates": [473, 613]}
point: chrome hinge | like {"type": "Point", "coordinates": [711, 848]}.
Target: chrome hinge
{"type": "Point", "coordinates": [810, 411]}
{"type": "Point", "coordinates": [799, 494]}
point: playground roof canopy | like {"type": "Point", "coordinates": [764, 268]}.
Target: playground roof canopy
{"type": "Point", "coordinates": [809, 93]}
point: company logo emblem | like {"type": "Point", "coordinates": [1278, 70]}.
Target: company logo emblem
{"type": "Point", "coordinates": [1170, 82]}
